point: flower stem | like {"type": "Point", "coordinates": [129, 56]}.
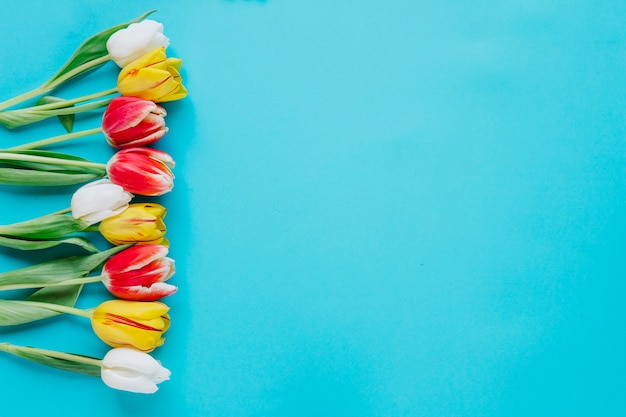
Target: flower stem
{"type": "Point", "coordinates": [21, 117]}
{"type": "Point", "coordinates": [9, 156]}
{"type": "Point", "coordinates": [12, 349]}
{"type": "Point", "coordinates": [55, 139]}
{"type": "Point", "coordinates": [74, 281]}
{"type": "Point", "coordinates": [64, 211]}
{"type": "Point", "coordinates": [52, 83]}
{"type": "Point", "coordinates": [23, 97]}
{"type": "Point", "coordinates": [55, 82]}
{"type": "Point", "coordinates": [58, 308]}
{"type": "Point", "coordinates": [70, 102]}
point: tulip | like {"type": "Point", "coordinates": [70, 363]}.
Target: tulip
{"type": "Point", "coordinates": [131, 121]}
{"type": "Point", "coordinates": [132, 370]}
{"type": "Point", "coordinates": [152, 77]}
{"type": "Point", "coordinates": [140, 223]}
{"type": "Point", "coordinates": [139, 273]}
{"type": "Point", "coordinates": [138, 324]}
{"type": "Point", "coordinates": [143, 171]}
{"type": "Point", "coordinates": [98, 200]}
{"type": "Point", "coordinates": [126, 45]}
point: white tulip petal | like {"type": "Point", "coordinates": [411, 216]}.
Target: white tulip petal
{"type": "Point", "coordinates": [99, 200]}
{"type": "Point", "coordinates": [140, 384]}
{"type": "Point", "coordinates": [132, 370]}
{"type": "Point", "coordinates": [137, 39]}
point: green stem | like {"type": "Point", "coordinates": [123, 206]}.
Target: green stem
{"type": "Point", "coordinates": [23, 97]}
{"type": "Point", "coordinates": [65, 210]}
{"type": "Point", "coordinates": [84, 280]}
{"type": "Point", "coordinates": [52, 84]}
{"type": "Point", "coordinates": [58, 308]}
{"type": "Point", "coordinates": [73, 109]}
{"type": "Point", "coordinates": [70, 102]}
{"type": "Point", "coordinates": [8, 156]}
{"type": "Point", "coordinates": [21, 117]}
{"type": "Point", "coordinates": [12, 349]}
{"type": "Point", "coordinates": [56, 139]}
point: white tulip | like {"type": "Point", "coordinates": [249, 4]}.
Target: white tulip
{"type": "Point", "coordinates": [132, 370]}
{"type": "Point", "coordinates": [127, 45]}
{"type": "Point", "coordinates": [99, 200]}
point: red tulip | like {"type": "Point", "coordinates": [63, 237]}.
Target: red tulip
{"type": "Point", "coordinates": [139, 273]}
{"type": "Point", "coordinates": [142, 171]}
{"type": "Point", "coordinates": [131, 121]}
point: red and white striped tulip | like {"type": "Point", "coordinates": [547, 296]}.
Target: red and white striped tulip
{"type": "Point", "coordinates": [130, 122]}
{"type": "Point", "coordinates": [139, 273]}
{"type": "Point", "coordinates": [142, 171]}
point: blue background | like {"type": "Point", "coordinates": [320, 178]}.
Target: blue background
{"type": "Point", "coordinates": [382, 208]}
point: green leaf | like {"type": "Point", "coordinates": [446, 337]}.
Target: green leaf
{"type": "Point", "coordinates": [40, 160]}
{"type": "Point", "coordinates": [67, 120]}
{"type": "Point", "coordinates": [66, 364]}
{"type": "Point", "coordinates": [43, 153]}
{"type": "Point", "coordinates": [14, 312]}
{"type": "Point", "coordinates": [21, 117]}
{"type": "Point", "coordinates": [65, 295]}
{"type": "Point", "coordinates": [51, 226]}
{"type": "Point", "coordinates": [28, 177]}
{"type": "Point", "coordinates": [35, 167]}
{"type": "Point", "coordinates": [93, 48]}
{"type": "Point", "coordinates": [16, 118]}
{"type": "Point", "coordinates": [57, 270]}
{"type": "Point", "coordinates": [24, 244]}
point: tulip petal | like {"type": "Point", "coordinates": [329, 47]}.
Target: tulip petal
{"type": "Point", "coordinates": [132, 121]}
{"type": "Point", "coordinates": [126, 111]}
{"type": "Point", "coordinates": [121, 323]}
{"type": "Point", "coordinates": [137, 273]}
{"type": "Point", "coordinates": [159, 270]}
{"type": "Point", "coordinates": [139, 384]}
{"type": "Point", "coordinates": [153, 57]}
{"type": "Point", "coordinates": [132, 370]}
{"type": "Point", "coordinates": [143, 171]}
{"type": "Point", "coordinates": [99, 200]}
{"type": "Point", "coordinates": [135, 257]}
{"type": "Point", "coordinates": [150, 84]}
{"type": "Point", "coordinates": [152, 77]}
{"type": "Point", "coordinates": [131, 43]}
{"type": "Point", "coordinates": [140, 223]}
{"type": "Point", "coordinates": [140, 293]}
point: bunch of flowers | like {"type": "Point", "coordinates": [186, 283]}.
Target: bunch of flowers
{"type": "Point", "coordinates": [135, 267]}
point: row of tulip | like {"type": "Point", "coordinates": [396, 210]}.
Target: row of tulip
{"type": "Point", "coordinates": [135, 269]}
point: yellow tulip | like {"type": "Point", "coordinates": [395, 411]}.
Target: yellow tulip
{"type": "Point", "coordinates": [138, 324]}
{"type": "Point", "coordinates": [140, 223]}
{"type": "Point", "coordinates": [152, 77]}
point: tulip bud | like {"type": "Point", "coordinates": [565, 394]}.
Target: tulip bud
{"type": "Point", "coordinates": [126, 45]}
{"type": "Point", "coordinates": [139, 273]}
{"type": "Point", "coordinates": [142, 171]}
{"type": "Point", "coordinates": [140, 223]}
{"type": "Point", "coordinates": [131, 121]}
{"type": "Point", "coordinates": [138, 324]}
{"type": "Point", "coordinates": [132, 370]}
{"type": "Point", "coordinates": [98, 200]}
{"type": "Point", "coordinates": [152, 77]}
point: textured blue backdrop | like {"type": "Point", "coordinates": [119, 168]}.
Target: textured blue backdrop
{"type": "Point", "coordinates": [382, 208]}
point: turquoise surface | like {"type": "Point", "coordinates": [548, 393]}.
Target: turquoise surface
{"type": "Point", "coordinates": [382, 208]}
